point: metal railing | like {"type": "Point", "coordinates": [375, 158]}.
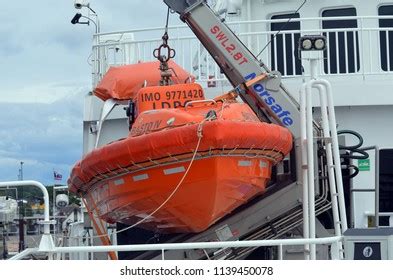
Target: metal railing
{"type": "Point", "coordinates": [332, 241]}
{"type": "Point", "coordinates": [364, 50]}
{"type": "Point", "coordinates": [53, 251]}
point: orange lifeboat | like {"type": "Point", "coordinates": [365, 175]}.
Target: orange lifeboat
{"type": "Point", "coordinates": [186, 163]}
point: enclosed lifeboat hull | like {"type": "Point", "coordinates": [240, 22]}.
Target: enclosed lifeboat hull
{"type": "Point", "coordinates": [214, 186]}
{"type": "Point", "coordinates": [181, 170]}
{"type": "Point", "coordinates": [128, 180]}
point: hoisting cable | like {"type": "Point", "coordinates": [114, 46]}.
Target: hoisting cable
{"type": "Point", "coordinates": [282, 28]}
{"type": "Point", "coordinates": [166, 75]}
{"type": "Point", "coordinates": [167, 21]}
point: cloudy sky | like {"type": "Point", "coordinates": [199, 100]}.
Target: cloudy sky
{"type": "Point", "coordinates": [44, 75]}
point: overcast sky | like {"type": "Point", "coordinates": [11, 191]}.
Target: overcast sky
{"type": "Point", "coordinates": [44, 76]}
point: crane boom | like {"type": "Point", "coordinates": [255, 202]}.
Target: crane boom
{"type": "Point", "coordinates": [266, 96]}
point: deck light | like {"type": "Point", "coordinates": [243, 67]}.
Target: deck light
{"type": "Point", "coordinates": [320, 44]}
{"type": "Point", "coordinates": [312, 43]}
{"type": "Point", "coordinates": [307, 44]}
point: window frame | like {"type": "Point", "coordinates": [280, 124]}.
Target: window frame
{"type": "Point", "coordinates": [293, 65]}
{"type": "Point", "coordinates": [385, 65]}
{"type": "Point", "coordinates": [352, 54]}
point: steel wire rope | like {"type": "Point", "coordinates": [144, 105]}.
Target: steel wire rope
{"type": "Point", "coordinates": [282, 28]}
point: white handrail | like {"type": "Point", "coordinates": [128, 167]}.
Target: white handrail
{"type": "Point", "coordinates": [329, 157]}
{"type": "Point", "coordinates": [46, 240]}
{"type": "Point", "coordinates": [24, 254]}
{"type": "Point", "coordinates": [356, 40]}
{"type": "Point", "coordinates": [184, 26]}
{"type": "Point", "coordinates": [303, 132]}
{"type": "Point", "coordinates": [336, 154]}
{"type": "Point", "coordinates": [197, 245]}
{"type": "Point", "coordinates": [45, 195]}
{"type": "Point", "coordinates": [332, 154]}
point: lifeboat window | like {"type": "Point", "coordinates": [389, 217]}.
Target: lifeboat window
{"type": "Point", "coordinates": [284, 45]}
{"type": "Point", "coordinates": [386, 37]}
{"type": "Point", "coordinates": [342, 54]}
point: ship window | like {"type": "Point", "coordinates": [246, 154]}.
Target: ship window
{"type": "Point", "coordinates": [386, 180]}
{"type": "Point", "coordinates": [386, 37]}
{"type": "Point", "coordinates": [342, 54]}
{"type": "Point", "coordinates": [285, 47]}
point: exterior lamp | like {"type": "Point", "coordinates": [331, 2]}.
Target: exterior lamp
{"type": "Point", "coordinates": [312, 43]}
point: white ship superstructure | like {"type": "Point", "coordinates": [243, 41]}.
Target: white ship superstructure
{"type": "Point", "coordinates": [358, 62]}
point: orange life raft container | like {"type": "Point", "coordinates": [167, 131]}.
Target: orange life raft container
{"type": "Point", "coordinates": [186, 162]}
{"type": "Point", "coordinates": [124, 82]}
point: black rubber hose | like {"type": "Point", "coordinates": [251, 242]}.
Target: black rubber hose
{"type": "Point", "coordinates": [356, 154]}
{"type": "Point", "coordinates": [352, 152]}
{"type": "Point", "coordinates": [353, 175]}
{"type": "Point", "coordinates": [354, 133]}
